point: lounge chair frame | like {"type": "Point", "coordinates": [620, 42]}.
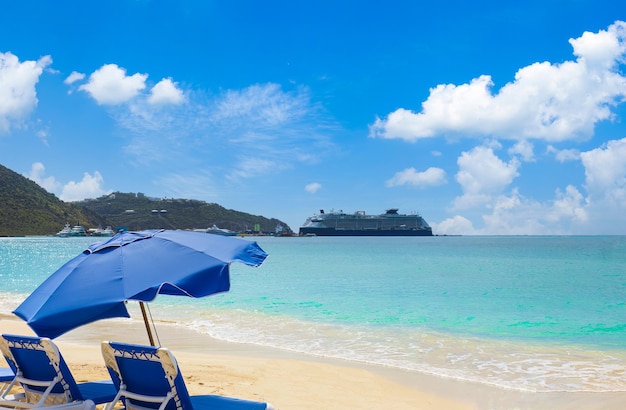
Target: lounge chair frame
{"type": "Point", "coordinates": [7, 374]}
{"type": "Point", "coordinates": [75, 405]}
{"type": "Point", "coordinates": [54, 383]}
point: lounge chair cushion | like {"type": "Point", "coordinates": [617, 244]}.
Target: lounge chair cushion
{"type": "Point", "coordinates": [153, 372]}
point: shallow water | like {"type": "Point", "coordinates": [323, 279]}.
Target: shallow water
{"type": "Point", "coordinates": [526, 313]}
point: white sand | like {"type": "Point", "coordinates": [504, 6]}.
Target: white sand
{"type": "Point", "coordinates": [293, 381]}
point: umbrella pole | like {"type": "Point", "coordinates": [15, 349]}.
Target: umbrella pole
{"type": "Point", "coordinates": [146, 321]}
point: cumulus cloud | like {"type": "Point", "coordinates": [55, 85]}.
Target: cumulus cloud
{"type": "Point", "coordinates": [482, 175]}
{"type": "Point", "coordinates": [109, 85]}
{"type": "Point", "coordinates": [18, 96]}
{"type": "Point", "coordinates": [589, 209]}
{"type": "Point", "coordinates": [568, 205]}
{"type": "Point", "coordinates": [457, 225]}
{"type": "Point", "coordinates": [313, 187]}
{"type": "Point", "coordinates": [89, 187]}
{"type": "Point", "coordinates": [595, 208]}
{"type": "Point", "coordinates": [605, 184]}
{"type": "Point", "coordinates": [37, 174]}
{"type": "Point", "coordinates": [410, 176]}
{"type": "Point", "coordinates": [523, 149]}
{"type": "Point", "coordinates": [605, 171]}
{"type": "Point", "coordinates": [488, 194]}
{"type": "Point", "coordinates": [515, 214]}
{"type": "Point", "coordinates": [552, 102]}
{"type": "Point", "coordinates": [166, 91]}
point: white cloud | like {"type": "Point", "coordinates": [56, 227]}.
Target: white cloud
{"type": "Point", "coordinates": [42, 134]}
{"type": "Point", "coordinates": [313, 187]}
{"type": "Point", "coordinates": [604, 48]}
{"type": "Point", "coordinates": [200, 184]}
{"type": "Point", "coordinates": [410, 176]}
{"type": "Point", "coordinates": [18, 96]}
{"type": "Point", "coordinates": [109, 85]}
{"type": "Point", "coordinates": [605, 171]}
{"type": "Point", "coordinates": [564, 155]}
{"type": "Point", "coordinates": [596, 209]}
{"type": "Point", "coordinates": [553, 102]}
{"type": "Point", "coordinates": [166, 92]}
{"type": "Point", "coordinates": [482, 175]}
{"type": "Point", "coordinates": [37, 171]}
{"type": "Point", "coordinates": [569, 205]}
{"type": "Point", "coordinates": [457, 225]}
{"type": "Point", "coordinates": [41, 131]}
{"type": "Point", "coordinates": [514, 214]}
{"type": "Point", "coordinates": [89, 187]}
{"type": "Point", "coordinates": [73, 77]}
{"type": "Point", "coordinates": [524, 149]}
{"type": "Point", "coordinates": [251, 167]}
{"type": "Point", "coordinates": [260, 128]}
{"type": "Point", "coordinates": [263, 103]}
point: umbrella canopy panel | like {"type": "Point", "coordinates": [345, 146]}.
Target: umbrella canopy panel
{"type": "Point", "coordinates": [134, 266]}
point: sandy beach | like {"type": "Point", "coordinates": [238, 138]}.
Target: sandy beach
{"type": "Point", "coordinates": [294, 381]}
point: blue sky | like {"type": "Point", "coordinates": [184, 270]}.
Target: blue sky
{"type": "Point", "coordinates": [485, 117]}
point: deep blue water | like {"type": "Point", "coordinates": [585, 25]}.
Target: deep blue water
{"type": "Point", "coordinates": [535, 313]}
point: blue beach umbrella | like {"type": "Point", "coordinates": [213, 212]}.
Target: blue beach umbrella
{"type": "Point", "coordinates": [134, 266]}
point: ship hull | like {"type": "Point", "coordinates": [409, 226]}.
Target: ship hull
{"type": "Point", "coordinates": [364, 232]}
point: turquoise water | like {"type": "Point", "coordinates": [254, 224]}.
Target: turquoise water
{"type": "Point", "coordinates": [528, 313]}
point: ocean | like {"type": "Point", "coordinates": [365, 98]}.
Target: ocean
{"type": "Point", "coordinates": [537, 314]}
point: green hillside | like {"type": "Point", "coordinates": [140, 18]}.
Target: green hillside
{"type": "Point", "coordinates": [28, 209]}
{"type": "Point", "coordinates": [138, 211]}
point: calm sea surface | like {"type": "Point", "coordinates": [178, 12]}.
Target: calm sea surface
{"type": "Point", "coordinates": [527, 313]}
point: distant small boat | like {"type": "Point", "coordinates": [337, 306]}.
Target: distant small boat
{"type": "Point", "coordinates": [108, 231]}
{"type": "Point", "coordinates": [65, 232]}
{"type": "Point", "coordinates": [78, 230]}
{"type": "Point", "coordinates": [221, 231]}
{"type": "Point", "coordinates": [71, 231]}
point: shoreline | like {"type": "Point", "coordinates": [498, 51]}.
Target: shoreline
{"type": "Point", "coordinates": [291, 380]}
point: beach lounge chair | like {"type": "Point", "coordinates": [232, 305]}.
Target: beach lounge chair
{"type": "Point", "coordinates": [148, 378]}
{"type": "Point", "coordinates": [44, 376]}
{"type": "Point", "coordinates": [6, 376]}
{"type": "Point", "coordinates": [75, 405]}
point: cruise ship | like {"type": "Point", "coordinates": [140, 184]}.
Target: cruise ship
{"type": "Point", "coordinates": [391, 223]}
